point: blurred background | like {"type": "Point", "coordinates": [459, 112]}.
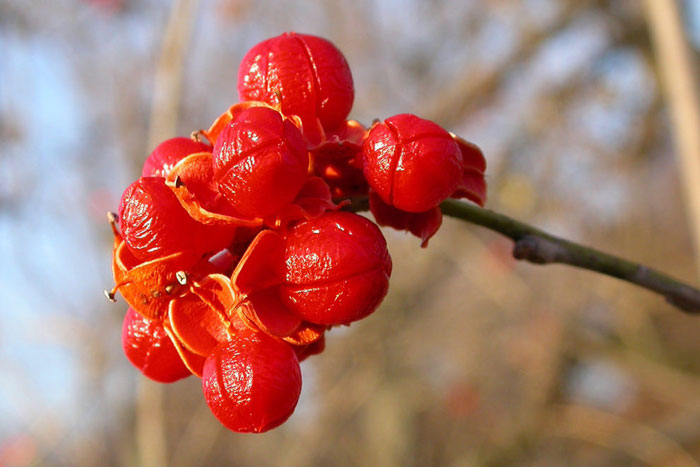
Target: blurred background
{"type": "Point", "coordinates": [473, 359]}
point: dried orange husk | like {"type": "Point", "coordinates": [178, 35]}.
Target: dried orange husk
{"type": "Point", "coordinates": [472, 156]}
{"type": "Point", "coordinates": [306, 334]}
{"type": "Point", "coordinates": [217, 292]}
{"type": "Point", "coordinates": [473, 185]}
{"type": "Point", "coordinates": [256, 280]}
{"type": "Point", "coordinates": [305, 351]}
{"type": "Point", "coordinates": [343, 143]}
{"type": "Point", "coordinates": [344, 177]}
{"type": "Point", "coordinates": [421, 224]}
{"type": "Point", "coordinates": [148, 286]}
{"type": "Point", "coordinates": [192, 181]}
{"type": "Point", "coordinates": [338, 161]}
{"type": "Point", "coordinates": [197, 325]}
{"type": "Point", "coordinates": [239, 313]}
{"type": "Point", "coordinates": [267, 311]}
{"type": "Point", "coordinates": [232, 113]}
{"type": "Point", "coordinates": [261, 266]}
{"type": "Point", "coordinates": [192, 361]}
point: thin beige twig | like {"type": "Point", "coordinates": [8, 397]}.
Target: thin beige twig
{"type": "Point", "coordinates": [167, 90]}
{"type": "Point", "coordinates": [680, 85]}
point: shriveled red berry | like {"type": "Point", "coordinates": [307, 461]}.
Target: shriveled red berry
{"type": "Point", "coordinates": [168, 153]}
{"type": "Point", "coordinates": [413, 164]}
{"type": "Point", "coordinates": [337, 268]}
{"type": "Point", "coordinates": [252, 383]}
{"type": "Point", "coordinates": [153, 222]}
{"type": "Point", "coordinates": [260, 162]}
{"type": "Point", "coordinates": [148, 348]}
{"type": "Point", "coordinates": [307, 75]}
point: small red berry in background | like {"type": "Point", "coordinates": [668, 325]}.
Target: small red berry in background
{"type": "Point", "coordinates": [252, 383]}
{"type": "Point", "coordinates": [260, 162]}
{"type": "Point", "coordinates": [305, 75]}
{"type": "Point", "coordinates": [148, 348]}
{"type": "Point", "coordinates": [235, 257]}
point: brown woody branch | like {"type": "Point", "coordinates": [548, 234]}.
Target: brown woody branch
{"type": "Point", "coordinates": [538, 247]}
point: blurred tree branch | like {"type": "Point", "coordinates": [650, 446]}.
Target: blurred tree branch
{"type": "Point", "coordinates": [167, 90]}
{"type": "Point", "coordinates": [538, 247]}
{"type": "Point", "coordinates": [470, 91]}
{"type": "Point", "coordinates": [679, 82]}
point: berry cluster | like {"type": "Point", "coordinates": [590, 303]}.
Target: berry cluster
{"type": "Point", "coordinates": [236, 256]}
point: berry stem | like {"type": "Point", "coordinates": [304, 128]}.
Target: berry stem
{"type": "Point", "coordinates": [539, 247]}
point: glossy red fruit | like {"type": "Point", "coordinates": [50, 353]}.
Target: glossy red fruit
{"type": "Point", "coordinates": [153, 222]}
{"type": "Point", "coordinates": [148, 348]}
{"type": "Point", "coordinates": [306, 75]}
{"type": "Point", "coordinates": [252, 383]}
{"type": "Point", "coordinates": [411, 163]}
{"type": "Point", "coordinates": [260, 162]}
{"type": "Point", "coordinates": [337, 268]}
{"type": "Point", "coordinates": [168, 153]}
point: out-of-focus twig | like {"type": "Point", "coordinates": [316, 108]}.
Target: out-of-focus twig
{"type": "Point", "coordinates": [680, 85]}
{"type": "Point", "coordinates": [539, 247]}
{"type": "Point", "coordinates": [167, 89]}
{"type": "Point", "coordinates": [470, 90]}
{"type": "Point", "coordinates": [614, 432]}
{"type": "Point", "coordinates": [150, 431]}
{"type": "Point", "coordinates": [167, 86]}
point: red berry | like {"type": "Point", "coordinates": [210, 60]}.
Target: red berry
{"type": "Point", "coordinates": [148, 348]}
{"type": "Point", "coordinates": [413, 164]}
{"type": "Point", "coordinates": [153, 222]}
{"type": "Point", "coordinates": [252, 383]}
{"type": "Point", "coordinates": [260, 162]}
{"type": "Point", "coordinates": [307, 75]}
{"type": "Point", "coordinates": [168, 153]}
{"type": "Point", "coordinates": [337, 268]}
